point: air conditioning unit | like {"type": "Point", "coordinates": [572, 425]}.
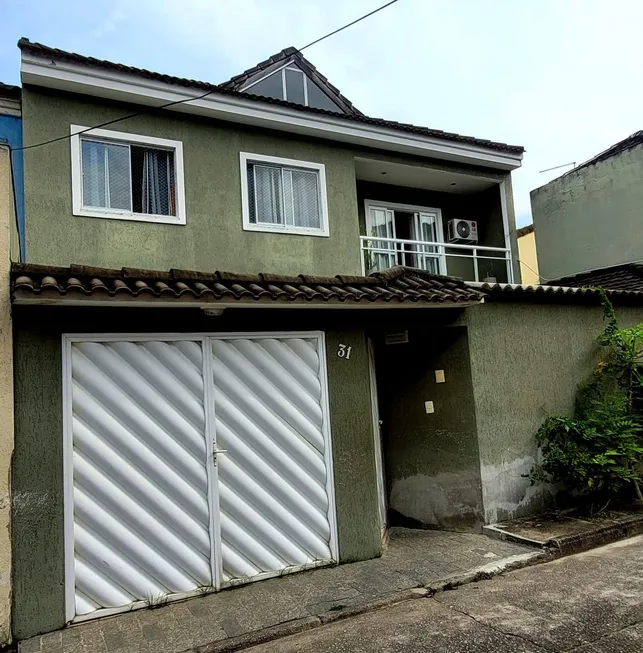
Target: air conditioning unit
{"type": "Point", "coordinates": [462, 231]}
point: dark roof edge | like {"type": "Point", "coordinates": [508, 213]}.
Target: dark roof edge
{"type": "Point", "coordinates": [9, 90]}
{"type": "Point", "coordinates": [523, 231]}
{"type": "Point", "coordinates": [46, 51]}
{"type": "Point", "coordinates": [504, 292]}
{"type": "Point", "coordinates": [629, 143]}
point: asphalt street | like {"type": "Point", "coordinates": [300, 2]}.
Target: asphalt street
{"type": "Point", "coordinates": [587, 603]}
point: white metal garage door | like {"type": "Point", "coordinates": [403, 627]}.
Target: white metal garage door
{"type": "Point", "coordinates": [155, 508]}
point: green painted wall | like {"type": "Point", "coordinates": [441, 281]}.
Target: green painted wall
{"type": "Point", "coordinates": [591, 217]}
{"type": "Point", "coordinates": [431, 460]}
{"type": "Point", "coordinates": [213, 237]}
{"type": "Point", "coordinates": [353, 446]}
{"type": "Point", "coordinates": [38, 574]}
{"type": "Point", "coordinates": [526, 361]}
{"type": "Point", "coordinates": [484, 207]}
{"type": "Point", "coordinates": [37, 474]}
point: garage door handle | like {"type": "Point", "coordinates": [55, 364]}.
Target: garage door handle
{"type": "Point", "coordinates": [216, 452]}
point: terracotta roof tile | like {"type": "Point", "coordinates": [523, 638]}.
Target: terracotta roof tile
{"type": "Point", "coordinates": [565, 293]}
{"type": "Point", "coordinates": [394, 287]}
{"type": "Point", "coordinates": [628, 276]}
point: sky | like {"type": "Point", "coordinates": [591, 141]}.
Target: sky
{"type": "Point", "coordinates": [560, 77]}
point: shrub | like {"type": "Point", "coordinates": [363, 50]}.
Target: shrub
{"type": "Point", "coordinates": [598, 453]}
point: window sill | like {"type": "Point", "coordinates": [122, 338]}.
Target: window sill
{"type": "Point", "coordinates": [292, 231]}
{"type": "Point", "coordinates": [130, 216]}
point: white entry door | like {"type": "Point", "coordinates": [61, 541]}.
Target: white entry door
{"type": "Point", "coordinates": [381, 254]}
{"type": "Point", "coordinates": [427, 257]}
{"type": "Point", "coordinates": [191, 463]}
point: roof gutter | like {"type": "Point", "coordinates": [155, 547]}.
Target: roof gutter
{"type": "Point", "coordinates": [128, 87]}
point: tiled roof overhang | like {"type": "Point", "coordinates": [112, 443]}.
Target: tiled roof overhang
{"type": "Point", "coordinates": [505, 292]}
{"type": "Point", "coordinates": [627, 276]}
{"type": "Point", "coordinates": [81, 285]}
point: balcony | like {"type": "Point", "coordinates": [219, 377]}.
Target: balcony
{"type": "Point", "coordinates": [472, 262]}
{"type": "Point", "coordinates": [408, 216]}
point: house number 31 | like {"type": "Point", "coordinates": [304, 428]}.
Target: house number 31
{"type": "Point", "coordinates": [344, 351]}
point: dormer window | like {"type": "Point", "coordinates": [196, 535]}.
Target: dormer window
{"type": "Point", "coordinates": [291, 84]}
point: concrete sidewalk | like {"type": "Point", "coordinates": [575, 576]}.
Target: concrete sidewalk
{"type": "Point", "coordinates": [236, 618]}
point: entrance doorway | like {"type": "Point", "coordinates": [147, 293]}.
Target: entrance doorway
{"type": "Point", "coordinates": [429, 434]}
{"type": "Point", "coordinates": [398, 233]}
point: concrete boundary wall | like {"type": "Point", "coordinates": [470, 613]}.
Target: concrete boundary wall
{"type": "Point", "coordinates": [527, 360]}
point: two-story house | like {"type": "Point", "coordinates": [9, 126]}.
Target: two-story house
{"type": "Point", "coordinates": [249, 333]}
{"type": "Point", "coordinates": [587, 221]}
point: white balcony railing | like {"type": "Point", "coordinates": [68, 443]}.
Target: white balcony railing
{"type": "Point", "coordinates": [383, 253]}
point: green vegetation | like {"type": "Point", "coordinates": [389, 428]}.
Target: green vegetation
{"type": "Point", "coordinates": [597, 454]}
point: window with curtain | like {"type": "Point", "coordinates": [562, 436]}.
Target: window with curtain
{"type": "Point", "coordinates": [127, 177]}
{"type": "Point", "coordinates": [284, 197]}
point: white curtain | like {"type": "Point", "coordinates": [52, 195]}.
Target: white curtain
{"type": "Point", "coordinates": [380, 222]}
{"type": "Point", "coordinates": [156, 182]}
{"type": "Point", "coordinates": [106, 175]}
{"type": "Point", "coordinates": [304, 191]}
{"type": "Point", "coordinates": [268, 195]}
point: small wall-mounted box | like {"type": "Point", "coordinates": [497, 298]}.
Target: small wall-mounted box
{"type": "Point", "coordinates": [439, 376]}
{"type": "Point", "coordinates": [428, 406]}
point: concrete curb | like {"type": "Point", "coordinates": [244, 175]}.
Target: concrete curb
{"type": "Point", "coordinates": [489, 571]}
{"type": "Point", "coordinates": [598, 537]}
{"type": "Point", "coordinates": [563, 546]}
{"type": "Point", "coordinates": [492, 531]}
{"type": "Point", "coordinates": [377, 604]}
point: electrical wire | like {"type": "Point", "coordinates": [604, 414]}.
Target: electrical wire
{"type": "Point", "coordinates": [191, 99]}
{"type": "Point", "coordinates": [388, 4]}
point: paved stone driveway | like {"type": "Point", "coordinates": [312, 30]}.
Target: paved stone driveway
{"type": "Point", "coordinates": [413, 559]}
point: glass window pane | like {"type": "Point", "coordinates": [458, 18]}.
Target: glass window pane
{"type": "Point", "coordinates": [318, 99]}
{"type": "Point", "coordinates": [305, 199]}
{"type": "Point", "coordinates": [93, 164]}
{"type": "Point", "coordinates": [270, 87]}
{"type": "Point", "coordinates": [106, 175]}
{"type": "Point", "coordinates": [266, 203]}
{"type": "Point", "coordinates": [153, 188]}
{"type": "Point", "coordinates": [295, 86]}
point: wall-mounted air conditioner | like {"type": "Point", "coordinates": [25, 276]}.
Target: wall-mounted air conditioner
{"type": "Point", "coordinates": [462, 231]}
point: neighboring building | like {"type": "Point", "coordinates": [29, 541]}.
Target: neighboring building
{"type": "Point", "coordinates": [11, 136]}
{"type": "Point", "coordinates": [590, 217]}
{"type": "Point", "coordinates": [219, 303]}
{"type": "Point", "coordinates": [527, 255]}
{"type": "Point", "coordinates": [10, 212]}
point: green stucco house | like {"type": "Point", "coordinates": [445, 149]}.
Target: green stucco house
{"type": "Point", "coordinates": [253, 327]}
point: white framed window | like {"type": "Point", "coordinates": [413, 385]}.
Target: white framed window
{"type": "Point", "coordinates": [126, 176]}
{"type": "Point", "coordinates": [283, 195]}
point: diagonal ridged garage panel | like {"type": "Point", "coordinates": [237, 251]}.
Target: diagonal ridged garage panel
{"type": "Point", "coordinates": [140, 489]}
{"type": "Point", "coordinates": [274, 507]}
